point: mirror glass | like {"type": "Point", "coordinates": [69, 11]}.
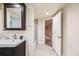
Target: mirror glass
{"type": "Point", "coordinates": [13, 17]}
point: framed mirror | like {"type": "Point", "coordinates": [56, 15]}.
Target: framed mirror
{"type": "Point", "coordinates": [14, 16]}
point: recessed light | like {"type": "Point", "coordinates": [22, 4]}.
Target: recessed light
{"type": "Point", "coordinates": [47, 13]}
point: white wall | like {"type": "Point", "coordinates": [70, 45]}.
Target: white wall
{"type": "Point", "coordinates": [71, 30]}
{"type": "Point", "coordinates": [29, 34]}
{"type": "Point", "coordinates": [30, 30]}
{"type": "Point", "coordinates": [41, 31]}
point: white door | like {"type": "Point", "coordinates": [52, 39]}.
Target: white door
{"type": "Point", "coordinates": [57, 33]}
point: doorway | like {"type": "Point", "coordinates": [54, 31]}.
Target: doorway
{"type": "Point", "coordinates": [48, 32]}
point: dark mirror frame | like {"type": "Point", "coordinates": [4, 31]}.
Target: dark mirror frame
{"type": "Point", "coordinates": [23, 15]}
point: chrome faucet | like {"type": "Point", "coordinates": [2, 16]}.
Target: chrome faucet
{"type": "Point", "coordinates": [15, 36]}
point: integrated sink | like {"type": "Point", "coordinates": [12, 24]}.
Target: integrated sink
{"type": "Point", "coordinates": [10, 42]}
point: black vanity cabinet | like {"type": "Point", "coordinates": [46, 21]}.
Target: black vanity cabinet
{"type": "Point", "coordinates": [19, 50]}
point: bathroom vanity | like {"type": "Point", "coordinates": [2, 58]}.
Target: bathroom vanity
{"type": "Point", "coordinates": [12, 47]}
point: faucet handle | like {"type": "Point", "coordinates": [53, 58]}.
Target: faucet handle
{"type": "Point", "coordinates": [14, 36]}
{"type": "Point", "coordinates": [21, 37]}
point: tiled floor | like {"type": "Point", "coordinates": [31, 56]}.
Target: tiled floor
{"type": "Point", "coordinates": [44, 50]}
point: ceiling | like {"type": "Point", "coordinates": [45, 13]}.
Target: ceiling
{"type": "Point", "coordinates": [40, 9]}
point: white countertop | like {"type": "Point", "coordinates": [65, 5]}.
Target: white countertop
{"type": "Point", "coordinates": [10, 42]}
